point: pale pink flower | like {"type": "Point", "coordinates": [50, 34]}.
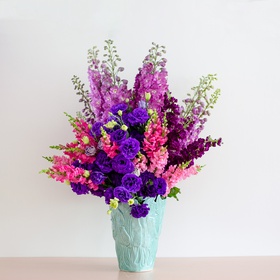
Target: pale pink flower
{"type": "Point", "coordinates": [158, 161]}
{"type": "Point", "coordinates": [174, 174]}
{"type": "Point", "coordinates": [140, 163]}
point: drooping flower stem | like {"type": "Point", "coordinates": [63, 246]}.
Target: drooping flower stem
{"type": "Point", "coordinates": [79, 87]}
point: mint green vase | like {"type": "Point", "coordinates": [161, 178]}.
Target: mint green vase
{"type": "Point", "coordinates": [136, 240]}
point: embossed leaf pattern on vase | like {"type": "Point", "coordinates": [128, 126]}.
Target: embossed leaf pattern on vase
{"type": "Point", "coordinates": [136, 240]}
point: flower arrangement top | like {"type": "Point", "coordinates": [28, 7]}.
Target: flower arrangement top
{"type": "Point", "coordinates": [133, 144]}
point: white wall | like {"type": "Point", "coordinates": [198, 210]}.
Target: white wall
{"type": "Point", "coordinates": [230, 209]}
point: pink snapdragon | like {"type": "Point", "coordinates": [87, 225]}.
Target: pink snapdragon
{"type": "Point", "coordinates": [76, 150]}
{"type": "Point", "coordinates": [61, 160]}
{"type": "Point", "coordinates": [158, 161]}
{"type": "Point", "coordinates": [108, 146]}
{"type": "Point", "coordinates": [155, 139]}
{"type": "Point", "coordinates": [92, 186]}
{"type": "Point", "coordinates": [174, 174]}
{"type": "Point", "coordinates": [63, 173]}
{"type": "Point", "coordinates": [140, 163]}
{"type": "Point", "coordinates": [155, 136]}
{"type": "Point", "coordinates": [82, 134]}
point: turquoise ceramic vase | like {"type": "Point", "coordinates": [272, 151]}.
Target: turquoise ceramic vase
{"type": "Point", "coordinates": [136, 240]}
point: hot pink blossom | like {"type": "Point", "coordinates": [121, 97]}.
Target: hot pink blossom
{"type": "Point", "coordinates": [109, 147]}
{"type": "Point", "coordinates": [155, 139]}
{"type": "Point", "coordinates": [63, 173]}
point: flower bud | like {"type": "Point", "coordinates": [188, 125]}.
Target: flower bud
{"type": "Point", "coordinates": [111, 124]}
{"type": "Point", "coordinates": [147, 96]}
{"type": "Point", "coordinates": [120, 113]}
{"type": "Point", "coordinates": [86, 174]}
{"type": "Point", "coordinates": [124, 127]}
{"type": "Point", "coordinates": [85, 140]}
{"type": "Point", "coordinates": [114, 203]}
{"type": "Point", "coordinates": [130, 201]}
{"type": "Point", "coordinates": [150, 112]}
{"type": "Point", "coordinates": [109, 212]}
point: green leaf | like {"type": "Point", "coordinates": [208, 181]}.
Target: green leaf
{"type": "Point", "coordinates": [50, 159]}
{"type": "Point", "coordinates": [173, 193]}
{"type": "Point", "coordinates": [44, 171]}
{"type": "Point", "coordinates": [56, 147]}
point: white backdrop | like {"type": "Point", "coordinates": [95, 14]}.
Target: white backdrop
{"type": "Point", "coordinates": [230, 209]}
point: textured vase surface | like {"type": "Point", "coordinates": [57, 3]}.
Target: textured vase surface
{"type": "Point", "coordinates": [136, 240]}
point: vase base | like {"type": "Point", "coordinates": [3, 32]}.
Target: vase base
{"type": "Point", "coordinates": [140, 271]}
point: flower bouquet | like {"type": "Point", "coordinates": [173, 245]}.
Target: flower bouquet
{"type": "Point", "coordinates": [133, 144]}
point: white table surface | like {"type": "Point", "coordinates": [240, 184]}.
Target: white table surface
{"type": "Point", "coordinates": [226, 268]}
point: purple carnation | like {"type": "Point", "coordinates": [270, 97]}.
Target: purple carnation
{"type": "Point", "coordinates": [109, 194]}
{"type": "Point", "coordinates": [79, 188]}
{"type": "Point", "coordinates": [139, 211]}
{"type": "Point", "coordinates": [118, 136]}
{"type": "Point", "coordinates": [116, 178]}
{"type": "Point", "coordinates": [125, 119]}
{"type": "Point", "coordinates": [160, 184]}
{"type": "Point", "coordinates": [99, 192]}
{"type": "Point", "coordinates": [76, 163]}
{"type": "Point", "coordinates": [122, 165]}
{"type": "Point", "coordinates": [131, 182]}
{"type": "Point", "coordinates": [138, 116]}
{"type": "Point", "coordinates": [97, 177]}
{"type": "Point", "coordinates": [149, 188]}
{"type": "Point", "coordinates": [103, 162]}
{"type": "Point", "coordinates": [130, 147]}
{"type": "Point", "coordinates": [138, 136]}
{"type": "Point", "coordinates": [147, 177]}
{"type": "Point", "coordinates": [95, 130]}
{"type": "Point", "coordinates": [122, 194]}
{"type": "Point", "coordinates": [118, 107]}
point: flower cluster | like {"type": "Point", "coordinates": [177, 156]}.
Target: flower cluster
{"type": "Point", "coordinates": [133, 144]}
